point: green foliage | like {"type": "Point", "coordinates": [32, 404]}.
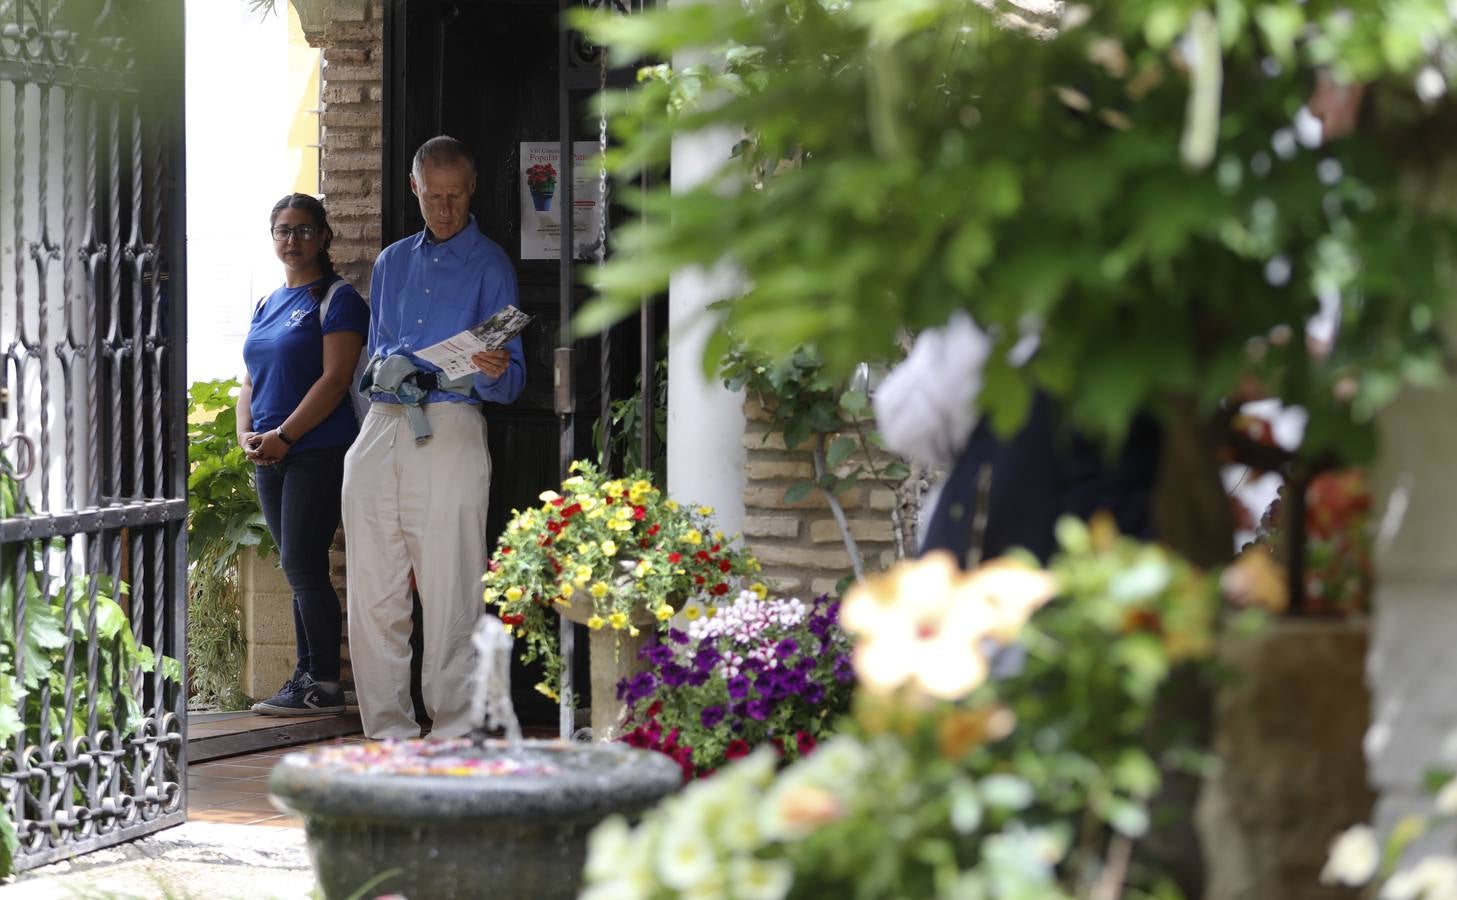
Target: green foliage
{"type": "Point", "coordinates": [627, 426]}
{"type": "Point", "coordinates": [223, 518]}
{"type": "Point", "coordinates": [57, 614]}
{"type": "Point", "coordinates": [1031, 785]}
{"type": "Point", "coordinates": [903, 160]}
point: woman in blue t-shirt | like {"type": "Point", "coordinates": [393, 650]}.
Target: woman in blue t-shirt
{"type": "Point", "coordinates": [295, 421]}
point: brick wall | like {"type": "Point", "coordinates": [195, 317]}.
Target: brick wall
{"type": "Point", "coordinates": [351, 37]}
{"type": "Point", "coordinates": [799, 543]}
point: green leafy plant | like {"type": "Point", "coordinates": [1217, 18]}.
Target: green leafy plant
{"type": "Point", "coordinates": [223, 519]}
{"type": "Point", "coordinates": [58, 612]}
{"type": "Point", "coordinates": [947, 782]}
{"type": "Point", "coordinates": [626, 419]}
{"type": "Point", "coordinates": [809, 405]}
{"type": "Point", "coordinates": [1125, 179]}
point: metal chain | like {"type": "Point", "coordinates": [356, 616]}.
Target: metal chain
{"type": "Point", "coordinates": [601, 253]}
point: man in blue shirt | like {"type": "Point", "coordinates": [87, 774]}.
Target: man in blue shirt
{"type": "Point", "coordinates": [417, 504]}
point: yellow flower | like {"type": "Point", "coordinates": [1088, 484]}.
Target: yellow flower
{"type": "Point", "coordinates": [576, 465]}
{"type": "Point", "coordinates": [718, 535]}
{"type": "Point", "coordinates": [664, 613]}
{"type": "Point", "coordinates": [617, 620]}
{"type": "Point", "coordinates": [599, 590]}
{"type": "Point", "coordinates": [588, 504]}
{"type": "Point", "coordinates": [639, 491]}
{"type": "Point", "coordinates": [691, 613]}
{"type": "Point", "coordinates": [759, 590]}
{"type": "Point", "coordinates": [574, 481]}
{"type": "Point", "coordinates": [542, 688]}
{"type": "Point", "coordinates": [753, 565]}
{"type": "Point", "coordinates": [632, 631]}
{"type": "Point", "coordinates": [620, 525]}
{"type": "Point", "coordinates": [568, 590]}
{"type": "Point", "coordinates": [614, 489]}
{"type": "Point", "coordinates": [643, 568]}
{"type": "Point", "coordinates": [513, 594]}
{"type": "Point", "coordinates": [596, 513]}
{"type": "Point", "coordinates": [673, 505]}
{"type": "Point", "coordinates": [583, 573]}
{"type": "Point", "coordinates": [595, 623]}
{"type": "Point", "coordinates": [548, 496]}
{"type": "Point", "coordinates": [624, 512]}
{"type": "Point", "coordinates": [705, 510]}
{"type": "Point", "coordinates": [609, 548]}
{"type": "Point", "coordinates": [693, 537]}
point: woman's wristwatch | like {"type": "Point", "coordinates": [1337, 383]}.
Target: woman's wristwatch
{"type": "Point", "coordinates": [283, 436]}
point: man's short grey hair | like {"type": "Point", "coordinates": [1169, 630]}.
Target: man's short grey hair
{"type": "Point", "coordinates": [442, 150]}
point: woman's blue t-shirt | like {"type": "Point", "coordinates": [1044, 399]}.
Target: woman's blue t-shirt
{"type": "Point", "coordinates": [284, 353]}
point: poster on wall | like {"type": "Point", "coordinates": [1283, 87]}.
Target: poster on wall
{"type": "Point", "coordinates": [541, 217]}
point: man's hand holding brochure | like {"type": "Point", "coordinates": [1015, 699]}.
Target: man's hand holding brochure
{"type": "Point", "coordinates": [454, 354]}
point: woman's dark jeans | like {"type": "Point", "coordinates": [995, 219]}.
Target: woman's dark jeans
{"type": "Point", "coordinates": [300, 499]}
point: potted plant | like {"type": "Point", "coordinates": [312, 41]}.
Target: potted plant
{"type": "Point", "coordinates": [756, 672]}
{"type": "Point", "coordinates": [541, 182]}
{"type": "Point", "coordinates": [616, 555]}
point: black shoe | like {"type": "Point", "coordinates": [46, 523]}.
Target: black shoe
{"type": "Point", "coordinates": [303, 696]}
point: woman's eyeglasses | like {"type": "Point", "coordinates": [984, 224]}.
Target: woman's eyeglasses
{"type": "Point", "coordinates": [282, 233]}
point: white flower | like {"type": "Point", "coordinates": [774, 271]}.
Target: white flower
{"type": "Point", "coordinates": [1446, 800]}
{"type": "Point", "coordinates": [607, 844]}
{"type": "Point", "coordinates": [1353, 858]}
{"type": "Point", "coordinates": [685, 858]}
{"type": "Point", "coordinates": [1434, 878]}
{"type": "Point", "coordinates": [758, 879]}
{"type": "Point", "coordinates": [1449, 748]}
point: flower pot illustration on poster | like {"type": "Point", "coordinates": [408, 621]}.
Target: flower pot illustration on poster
{"type": "Point", "coordinates": [541, 182]}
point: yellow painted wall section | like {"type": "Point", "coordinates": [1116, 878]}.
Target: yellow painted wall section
{"type": "Point", "coordinates": [303, 106]}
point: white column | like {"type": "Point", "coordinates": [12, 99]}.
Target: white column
{"type": "Point", "coordinates": [705, 420]}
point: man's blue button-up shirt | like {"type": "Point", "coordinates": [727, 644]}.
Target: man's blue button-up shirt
{"type": "Point", "coordinates": [424, 291]}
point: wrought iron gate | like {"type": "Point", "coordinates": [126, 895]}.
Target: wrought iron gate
{"type": "Point", "coordinates": [92, 367]}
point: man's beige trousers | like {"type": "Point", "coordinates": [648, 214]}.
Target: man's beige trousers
{"type": "Point", "coordinates": [419, 507]}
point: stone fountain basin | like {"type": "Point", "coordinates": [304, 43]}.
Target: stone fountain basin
{"type": "Point", "coordinates": [514, 835]}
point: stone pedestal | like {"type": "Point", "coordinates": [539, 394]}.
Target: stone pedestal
{"type": "Point", "coordinates": [612, 656]}
{"type": "Point", "coordinates": [267, 624]}
{"type": "Point", "coordinates": [1288, 728]}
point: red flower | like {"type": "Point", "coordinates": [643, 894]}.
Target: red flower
{"type": "Point", "coordinates": [719, 589]}
{"type": "Point", "coordinates": [724, 565]}
{"type": "Point", "coordinates": [778, 743]}
{"type": "Point", "coordinates": [639, 513]}
{"type": "Point", "coordinates": [656, 708]}
{"type": "Point", "coordinates": [545, 542]}
{"type": "Point", "coordinates": [736, 748]}
{"type": "Point", "coordinates": [654, 529]}
{"type": "Point", "coordinates": [608, 501]}
{"type": "Point", "coordinates": [806, 742]}
{"type": "Point", "coordinates": [713, 549]}
{"type": "Point", "coordinates": [643, 543]}
{"type": "Point", "coordinates": [553, 526]}
{"type": "Point", "coordinates": [701, 556]}
{"type": "Point", "coordinates": [556, 567]}
{"type": "Point", "coordinates": [493, 566]}
{"type": "Point", "coordinates": [571, 510]}
{"type": "Point", "coordinates": [674, 557]}
{"type": "Point", "coordinates": [505, 551]}
{"type": "Point", "coordinates": [559, 501]}
{"type": "Point", "coordinates": [698, 580]}
{"type": "Point", "coordinates": [512, 619]}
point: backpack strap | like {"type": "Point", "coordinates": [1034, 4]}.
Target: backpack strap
{"type": "Point", "coordinates": [329, 298]}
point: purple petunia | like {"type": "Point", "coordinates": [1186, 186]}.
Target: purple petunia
{"type": "Point", "coordinates": [813, 694]}
{"type": "Point", "coordinates": [674, 675]}
{"type": "Point", "coordinates": [711, 716]}
{"type": "Point", "coordinates": [677, 637]}
{"type": "Point", "coordinates": [806, 664]}
{"type": "Point", "coordinates": [754, 664]}
{"type": "Point", "coordinates": [842, 671]}
{"type": "Point", "coordinates": [697, 679]}
{"type": "Point", "coordinates": [738, 687]}
{"type": "Point", "coordinates": [786, 648]}
{"type": "Point", "coordinates": [658, 654]}
{"type": "Point", "coordinates": [794, 683]}
{"type": "Point", "coordinates": [706, 658]}
{"type": "Point", "coordinates": [642, 686]}
{"type": "Point", "coordinates": [758, 709]}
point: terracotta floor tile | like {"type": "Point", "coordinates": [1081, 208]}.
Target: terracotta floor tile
{"type": "Point", "coordinates": [197, 779]}
{"type": "Point", "coordinates": [232, 769]}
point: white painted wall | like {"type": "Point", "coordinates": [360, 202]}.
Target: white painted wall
{"type": "Point", "coordinates": [239, 111]}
